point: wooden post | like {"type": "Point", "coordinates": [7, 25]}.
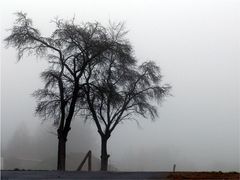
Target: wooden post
{"type": "Point", "coordinates": [89, 161]}
{"type": "Point", "coordinates": [89, 156]}
{"type": "Point", "coordinates": [174, 167]}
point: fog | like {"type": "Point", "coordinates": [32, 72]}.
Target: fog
{"type": "Point", "coordinates": [197, 46]}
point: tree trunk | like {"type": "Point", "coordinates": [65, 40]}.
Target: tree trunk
{"type": "Point", "coordinates": [104, 155]}
{"type": "Point", "coordinates": [61, 153]}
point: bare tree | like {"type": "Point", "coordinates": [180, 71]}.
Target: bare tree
{"type": "Point", "coordinates": [68, 51]}
{"type": "Point", "coordinates": [117, 90]}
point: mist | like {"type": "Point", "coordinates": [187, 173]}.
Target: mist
{"type": "Point", "coordinates": [197, 46]}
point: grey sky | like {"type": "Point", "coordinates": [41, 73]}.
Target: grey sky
{"type": "Point", "coordinates": [197, 45]}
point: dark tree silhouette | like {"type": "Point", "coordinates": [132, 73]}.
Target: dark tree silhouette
{"type": "Point", "coordinates": [117, 90]}
{"type": "Point", "coordinates": [68, 51]}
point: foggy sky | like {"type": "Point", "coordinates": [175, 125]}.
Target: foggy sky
{"type": "Point", "coordinates": [196, 44]}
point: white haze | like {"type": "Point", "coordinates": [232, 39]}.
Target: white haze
{"type": "Point", "coordinates": [196, 44]}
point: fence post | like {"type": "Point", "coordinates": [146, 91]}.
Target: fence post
{"type": "Point", "coordinates": [89, 156]}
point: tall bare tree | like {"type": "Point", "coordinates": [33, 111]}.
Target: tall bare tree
{"type": "Point", "coordinates": [68, 50]}
{"type": "Point", "coordinates": [117, 90]}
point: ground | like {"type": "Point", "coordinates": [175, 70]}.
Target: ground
{"type": "Point", "coordinates": [23, 175]}
{"type": "Point", "coordinates": [204, 175]}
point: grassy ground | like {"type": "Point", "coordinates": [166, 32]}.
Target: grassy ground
{"type": "Point", "coordinates": [204, 175]}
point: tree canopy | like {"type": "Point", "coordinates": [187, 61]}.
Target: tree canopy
{"type": "Point", "coordinates": [68, 50]}
{"type": "Point", "coordinates": [91, 68]}
{"type": "Point", "coordinates": [117, 89]}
